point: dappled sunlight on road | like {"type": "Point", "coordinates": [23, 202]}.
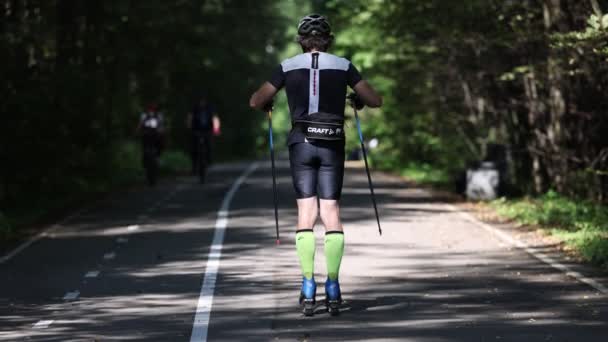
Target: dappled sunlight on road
{"type": "Point", "coordinates": [432, 276]}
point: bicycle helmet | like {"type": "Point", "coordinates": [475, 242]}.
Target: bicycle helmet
{"type": "Point", "coordinates": [314, 25]}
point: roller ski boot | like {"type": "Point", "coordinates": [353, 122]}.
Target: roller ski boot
{"type": "Point", "coordinates": [333, 297]}
{"type": "Point", "coordinates": [307, 296]}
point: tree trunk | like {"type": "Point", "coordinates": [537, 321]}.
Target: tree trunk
{"type": "Point", "coordinates": [556, 136]}
{"type": "Point", "coordinates": [535, 108]}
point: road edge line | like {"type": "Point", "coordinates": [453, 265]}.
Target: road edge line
{"type": "Point", "coordinates": [525, 247]}
{"type": "Point", "coordinates": [42, 234]}
{"type": "Point", "coordinates": [200, 325]}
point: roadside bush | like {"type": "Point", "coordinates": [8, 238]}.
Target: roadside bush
{"type": "Point", "coordinates": [581, 225]}
{"type": "Point", "coordinates": [174, 162]}
{"type": "Point", "coordinates": [127, 165]}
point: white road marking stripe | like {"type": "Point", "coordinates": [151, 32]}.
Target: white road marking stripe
{"type": "Point", "coordinates": [24, 246]}
{"type": "Point", "coordinates": [43, 324]}
{"type": "Point", "coordinates": [71, 295]}
{"type": "Point", "coordinates": [133, 227]}
{"type": "Point", "coordinates": [50, 229]}
{"type": "Point", "coordinates": [39, 236]}
{"type": "Point", "coordinates": [109, 256]}
{"type": "Point", "coordinates": [200, 326]}
{"type": "Point", "coordinates": [538, 255]}
{"type": "Point", "coordinates": [91, 274]}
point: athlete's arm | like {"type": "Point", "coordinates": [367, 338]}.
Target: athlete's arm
{"type": "Point", "coordinates": [368, 94]}
{"type": "Point", "coordinates": [264, 95]}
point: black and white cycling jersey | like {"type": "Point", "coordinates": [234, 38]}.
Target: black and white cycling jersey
{"type": "Point", "coordinates": [315, 82]}
{"type": "Point", "coordinates": [151, 121]}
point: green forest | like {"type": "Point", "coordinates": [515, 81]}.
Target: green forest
{"type": "Point", "coordinates": [458, 79]}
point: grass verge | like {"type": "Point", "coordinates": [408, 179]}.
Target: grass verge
{"type": "Point", "coordinates": [426, 174]}
{"type": "Point", "coordinates": [582, 226]}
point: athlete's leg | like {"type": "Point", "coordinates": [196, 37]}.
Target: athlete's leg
{"type": "Point", "coordinates": [334, 250]}
{"type": "Point", "coordinates": [308, 212]}
{"type": "Point", "coordinates": [305, 237]}
{"type": "Point", "coordinates": [334, 237]}
{"type": "Point", "coordinates": [330, 214]}
{"type": "Point", "coordinates": [331, 175]}
{"type": "Point", "coordinates": [304, 169]}
{"type": "Point", "coordinates": [305, 246]}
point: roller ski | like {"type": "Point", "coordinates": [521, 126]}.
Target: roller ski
{"type": "Point", "coordinates": [308, 296]}
{"type": "Point", "coordinates": [333, 297]}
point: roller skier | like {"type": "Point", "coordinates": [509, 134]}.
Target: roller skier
{"type": "Point", "coordinates": [316, 84]}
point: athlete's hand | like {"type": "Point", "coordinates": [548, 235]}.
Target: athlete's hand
{"type": "Point", "coordinates": [355, 101]}
{"type": "Point", "coordinates": [268, 106]}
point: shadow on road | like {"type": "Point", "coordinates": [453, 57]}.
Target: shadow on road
{"type": "Point", "coordinates": [404, 290]}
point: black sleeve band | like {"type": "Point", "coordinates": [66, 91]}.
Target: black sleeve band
{"type": "Point", "coordinates": [353, 76]}
{"type": "Point", "coordinates": [278, 78]}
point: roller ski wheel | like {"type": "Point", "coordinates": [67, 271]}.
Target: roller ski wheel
{"type": "Point", "coordinates": [333, 297]}
{"type": "Point", "coordinates": [307, 296]}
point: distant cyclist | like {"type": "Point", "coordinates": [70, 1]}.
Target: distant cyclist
{"type": "Point", "coordinates": [203, 122]}
{"type": "Point", "coordinates": [151, 127]}
{"type": "Point", "coordinates": [316, 85]}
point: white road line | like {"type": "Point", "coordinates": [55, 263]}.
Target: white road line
{"type": "Point", "coordinates": [538, 255]}
{"type": "Point", "coordinates": [109, 256]}
{"type": "Point", "coordinates": [92, 274]}
{"type": "Point", "coordinates": [24, 245]}
{"type": "Point", "coordinates": [39, 236]}
{"type": "Point", "coordinates": [55, 226]}
{"type": "Point", "coordinates": [43, 324]}
{"type": "Point", "coordinates": [200, 326]}
{"type": "Point", "coordinates": [71, 295]}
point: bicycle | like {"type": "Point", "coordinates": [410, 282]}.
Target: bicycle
{"type": "Point", "coordinates": [151, 154]}
{"type": "Point", "coordinates": [202, 159]}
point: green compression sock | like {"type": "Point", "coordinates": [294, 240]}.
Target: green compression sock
{"type": "Point", "coordinates": [334, 249]}
{"type": "Point", "coordinates": [305, 246]}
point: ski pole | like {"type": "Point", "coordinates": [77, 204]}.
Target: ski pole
{"type": "Point", "coordinates": [274, 181]}
{"type": "Point", "coordinates": [369, 177]}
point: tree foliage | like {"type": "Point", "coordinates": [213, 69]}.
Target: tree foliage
{"type": "Point", "coordinates": [459, 76]}
{"type": "Point", "coordinates": [75, 75]}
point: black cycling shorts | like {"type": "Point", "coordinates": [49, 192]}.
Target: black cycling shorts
{"type": "Point", "coordinates": [317, 169]}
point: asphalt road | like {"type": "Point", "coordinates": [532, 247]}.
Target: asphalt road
{"type": "Point", "coordinates": [132, 268]}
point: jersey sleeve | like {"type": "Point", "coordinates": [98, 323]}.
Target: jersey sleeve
{"type": "Point", "coordinates": [353, 76]}
{"type": "Point", "coordinates": [278, 77]}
